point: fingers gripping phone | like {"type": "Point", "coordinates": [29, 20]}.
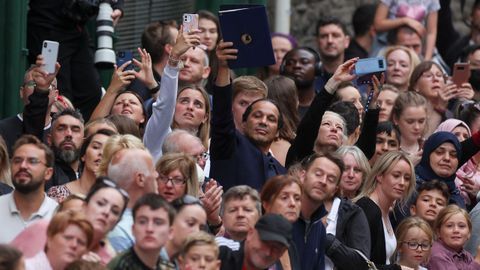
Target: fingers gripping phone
{"type": "Point", "coordinates": [50, 54]}
{"type": "Point", "coordinates": [367, 67]}
{"type": "Point", "coordinates": [123, 57]}
{"type": "Point", "coordinates": [190, 22]}
{"type": "Point", "coordinates": [461, 73]}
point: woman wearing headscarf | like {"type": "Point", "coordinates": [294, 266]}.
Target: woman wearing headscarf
{"type": "Point", "coordinates": [440, 160]}
{"type": "Point", "coordinates": [468, 176]}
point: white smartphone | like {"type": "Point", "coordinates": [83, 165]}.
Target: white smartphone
{"type": "Point", "coordinates": [50, 54]}
{"type": "Point", "coordinates": [190, 22]}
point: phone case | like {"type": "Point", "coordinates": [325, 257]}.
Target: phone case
{"type": "Point", "coordinates": [461, 73]}
{"type": "Point", "coordinates": [190, 22]}
{"type": "Point", "coordinates": [50, 54]}
{"type": "Point", "coordinates": [125, 56]}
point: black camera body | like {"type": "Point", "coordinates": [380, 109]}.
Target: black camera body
{"type": "Point", "coordinates": [80, 11]}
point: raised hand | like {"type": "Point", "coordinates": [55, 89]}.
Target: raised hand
{"type": "Point", "coordinates": [121, 78]}
{"type": "Point", "coordinates": [185, 41]}
{"type": "Point", "coordinates": [145, 75]}
{"type": "Point", "coordinates": [225, 52]}
{"type": "Point", "coordinates": [42, 78]}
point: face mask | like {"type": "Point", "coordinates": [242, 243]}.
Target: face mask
{"type": "Point", "coordinates": [475, 79]}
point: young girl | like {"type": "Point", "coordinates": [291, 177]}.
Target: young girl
{"type": "Point", "coordinates": [420, 15]}
{"type": "Point", "coordinates": [409, 114]}
{"type": "Point", "coordinates": [414, 243]}
{"type": "Point", "coordinates": [453, 228]}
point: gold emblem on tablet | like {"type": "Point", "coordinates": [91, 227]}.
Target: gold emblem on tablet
{"type": "Point", "coordinates": [246, 39]}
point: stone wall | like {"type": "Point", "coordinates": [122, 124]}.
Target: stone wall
{"type": "Point", "coordinates": [305, 13]}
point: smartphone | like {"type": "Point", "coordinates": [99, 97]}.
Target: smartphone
{"type": "Point", "coordinates": [190, 22]}
{"type": "Point", "coordinates": [461, 73]}
{"type": "Point", "coordinates": [50, 54]}
{"type": "Point", "coordinates": [123, 57]}
{"type": "Point", "coordinates": [367, 67]}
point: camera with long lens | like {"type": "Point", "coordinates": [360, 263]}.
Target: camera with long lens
{"type": "Point", "coordinates": [104, 55]}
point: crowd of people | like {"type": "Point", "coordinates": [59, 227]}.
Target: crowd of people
{"type": "Point", "coordinates": [182, 164]}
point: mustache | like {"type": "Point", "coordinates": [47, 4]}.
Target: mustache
{"type": "Point", "coordinates": [23, 171]}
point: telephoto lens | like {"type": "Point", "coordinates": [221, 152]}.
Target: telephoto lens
{"type": "Point", "coordinates": [104, 55]}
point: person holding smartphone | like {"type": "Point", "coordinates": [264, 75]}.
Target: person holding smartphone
{"type": "Point", "coordinates": [64, 22]}
{"type": "Point", "coordinates": [429, 81]}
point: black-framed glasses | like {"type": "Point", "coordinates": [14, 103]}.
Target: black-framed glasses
{"type": "Point", "coordinates": [414, 245]}
{"type": "Point", "coordinates": [114, 185]}
{"type": "Point", "coordinates": [176, 181]}
{"type": "Point", "coordinates": [186, 200]}
{"type": "Point", "coordinates": [32, 161]}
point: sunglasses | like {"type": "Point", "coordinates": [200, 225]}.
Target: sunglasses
{"type": "Point", "coordinates": [186, 200]}
{"type": "Point", "coordinates": [114, 185]}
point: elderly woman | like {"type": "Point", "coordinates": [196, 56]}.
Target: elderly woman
{"type": "Point", "coordinates": [356, 170]}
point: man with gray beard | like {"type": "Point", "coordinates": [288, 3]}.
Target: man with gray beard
{"type": "Point", "coordinates": [65, 139]}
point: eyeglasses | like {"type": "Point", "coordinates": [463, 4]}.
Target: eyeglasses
{"type": "Point", "coordinates": [414, 245]}
{"type": "Point", "coordinates": [203, 156]}
{"type": "Point", "coordinates": [429, 75]}
{"type": "Point", "coordinates": [186, 200]}
{"type": "Point", "coordinates": [176, 181]}
{"type": "Point", "coordinates": [114, 185]}
{"type": "Point", "coordinates": [30, 161]}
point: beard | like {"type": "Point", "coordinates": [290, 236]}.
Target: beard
{"type": "Point", "coordinates": [29, 186]}
{"type": "Point", "coordinates": [67, 156]}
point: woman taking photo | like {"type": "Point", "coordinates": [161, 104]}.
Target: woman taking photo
{"type": "Point", "coordinates": [281, 195]}
{"type": "Point", "coordinates": [429, 81]}
{"type": "Point", "coordinates": [392, 180]}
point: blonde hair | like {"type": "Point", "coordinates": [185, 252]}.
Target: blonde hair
{"type": "Point", "coordinates": [249, 84]}
{"type": "Point", "coordinates": [383, 165]}
{"type": "Point", "coordinates": [447, 213]}
{"type": "Point", "coordinates": [114, 144]}
{"type": "Point", "coordinates": [413, 57]}
{"type": "Point", "coordinates": [5, 175]}
{"type": "Point", "coordinates": [409, 223]}
{"type": "Point", "coordinates": [199, 238]}
{"type": "Point", "coordinates": [405, 100]}
{"type": "Point", "coordinates": [62, 220]}
{"type": "Point", "coordinates": [185, 164]}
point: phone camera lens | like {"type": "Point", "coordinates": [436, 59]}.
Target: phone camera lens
{"type": "Point", "coordinates": [44, 45]}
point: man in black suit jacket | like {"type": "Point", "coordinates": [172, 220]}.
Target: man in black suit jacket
{"type": "Point", "coordinates": [238, 159]}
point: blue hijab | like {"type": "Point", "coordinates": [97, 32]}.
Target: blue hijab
{"type": "Point", "coordinates": [424, 170]}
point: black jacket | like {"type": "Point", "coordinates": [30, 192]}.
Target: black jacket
{"type": "Point", "coordinates": [32, 122]}
{"type": "Point", "coordinates": [374, 217]}
{"type": "Point", "coordinates": [351, 232]}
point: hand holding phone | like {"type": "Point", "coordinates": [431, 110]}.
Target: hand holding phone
{"type": "Point", "coordinates": [461, 73]}
{"type": "Point", "coordinates": [367, 67]}
{"type": "Point", "coordinates": [50, 54]}
{"type": "Point", "coordinates": [190, 22]}
{"type": "Point", "coordinates": [123, 57]}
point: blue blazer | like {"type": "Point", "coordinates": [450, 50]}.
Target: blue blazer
{"type": "Point", "coordinates": [235, 160]}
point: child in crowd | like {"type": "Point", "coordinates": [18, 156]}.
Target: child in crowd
{"type": "Point", "coordinates": [432, 197]}
{"type": "Point", "coordinates": [414, 243]}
